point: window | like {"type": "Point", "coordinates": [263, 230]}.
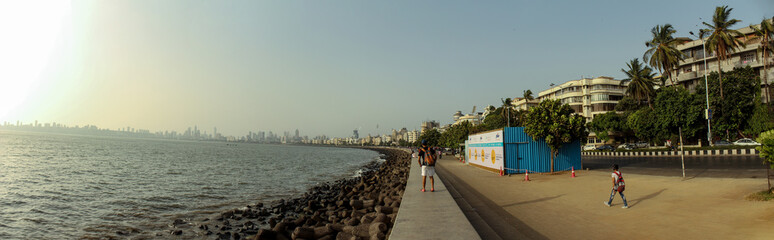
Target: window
{"type": "Point", "coordinates": [577, 108]}
{"type": "Point", "coordinates": [578, 99]}
{"type": "Point", "coordinates": [605, 97]}
{"type": "Point", "coordinates": [748, 57]}
{"type": "Point", "coordinates": [688, 69]}
{"type": "Point", "coordinates": [687, 53]}
{"type": "Point", "coordinates": [602, 107]}
{"type": "Point", "coordinates": [606, 87]}
{"type": "Point", "coordinates": [700, 54]}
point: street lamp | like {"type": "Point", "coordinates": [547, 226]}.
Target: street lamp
{"type": "Point", "coordinates": [706, 87]}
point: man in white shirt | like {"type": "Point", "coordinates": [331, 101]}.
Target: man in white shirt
{"type": "Point", "coordinates": [618, 186]}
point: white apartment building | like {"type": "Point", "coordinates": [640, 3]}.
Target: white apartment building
{"type": "Point", "coordinates": [588, 96]}
{"type": "Point", "coordinates": [524, 104]}
{"type": "Point", "coordinates": [690, 72]}
{"type": "Point", "coordinates": [474, 119]}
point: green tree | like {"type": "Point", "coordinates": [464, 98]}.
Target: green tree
{"type": "Point", "coordinates": [507, 103]}
{"type": "Point", "coordinates": [528, 95]}
{"type": "Point", "coordinates": [766, 150]}
{"type": "Point", "coordinates": [722, 39]}
{"type": "Point", "coordinates": [640, 80]}
{"type": "Point", "coordinates": [609, 122]}
{"type": "Point", "coordinates": [765, 33]}
{"type": "Point", "coordinates": [556, 124]}
{"type": "Point", "coordinates": [680, 109]}
{"type": "Point", "coordinates": [662, 53]}
{"type": "Point", "coordinates": [628, 104]}
{"type": "Point", "coordinates": [432, 136]}
{"type": "Point", "coordinates": [730, 115]}
{"type": "Point", "coordinates": [494, 120]}
{"type": "Point", "coordinates": [518, 117]}
{"type": "Point", "coordinates": [455, 135]}
{"type": "Point", "coordinates": [762, 120]}
{"type": "Point", "coordinates": [645, 126]}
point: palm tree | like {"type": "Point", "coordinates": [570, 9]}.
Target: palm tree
{"type": "Point", "coordinates": [765, 34]}
{"type": "Point", "coordinates": [663, 54]}
{"type": "Point", "coordinates": [721, 38]}
{"type": "Point", "coordinates": [528, 95]}
{"type": "Point", "coordinates": [640, 79]}
{"type": "Point", "coordinates": [506, 110]}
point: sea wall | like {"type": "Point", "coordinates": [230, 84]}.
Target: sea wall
{"type": "Point", "coordinates": [363, 207]}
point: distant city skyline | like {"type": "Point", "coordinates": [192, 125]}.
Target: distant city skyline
{"type": "Point", "coordinates": [325, 68]}
{"type": "Point", "coordinates": [401, 137]}
{"type": "Point", "coordinates": [185, 131]}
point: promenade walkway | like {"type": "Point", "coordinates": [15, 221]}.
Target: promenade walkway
{"type": "Point", "coordinates": [429, 215]}
{"type": "Point", "coordinates": [560, 207]}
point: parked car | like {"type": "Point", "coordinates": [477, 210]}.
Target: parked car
{"type": "Point", "coordinates": [606, 148]}
{"type": "Point", "coordinates": [722, 143]}
{"type": "Point", "coordinates": [627, 146]}
{"type": "Point", "coordinates": [746, 142]}
{"type": "Point", "coordinates": [641, 145]}
{"type": "Point", "coordinates": [589, 147]}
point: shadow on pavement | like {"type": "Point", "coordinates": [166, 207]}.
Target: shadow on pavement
{"type": "Point", "coordinates": [646, 197]}
{"type": "Point", "coordinates": [532, 201]}
{"type": "Point", "coordinates": [692, 176]}
{"type": "Point", "coordinates": [490, 220]}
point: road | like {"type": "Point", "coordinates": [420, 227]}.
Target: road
{"type": "Point", "coordinates": [695, 166]}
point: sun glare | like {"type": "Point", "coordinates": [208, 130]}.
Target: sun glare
{"type": "Point", "coordinates": [29, 34]}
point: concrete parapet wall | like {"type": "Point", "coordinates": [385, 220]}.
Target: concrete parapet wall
{"type": "Point", "coordinates": [714, 152]}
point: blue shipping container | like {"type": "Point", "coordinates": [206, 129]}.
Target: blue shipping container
{"type": "Point", "coordinates": [524, 153]}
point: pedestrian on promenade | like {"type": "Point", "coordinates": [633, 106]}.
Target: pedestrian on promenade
{"type": "Point", "coordinates": [428, 165]}
{"type": "Point", "coordinates": [618, 186]}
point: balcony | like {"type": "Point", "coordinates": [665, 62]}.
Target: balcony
{"type": "Point", "coordinates": [686, 76]}
{"type": "Point", "coordinates": [751, 63]}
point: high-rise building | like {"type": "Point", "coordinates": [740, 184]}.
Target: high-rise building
{"type": "Point", "coordinates": [355, 134]}
{"type": "Point", "coordinates": [427, 125]}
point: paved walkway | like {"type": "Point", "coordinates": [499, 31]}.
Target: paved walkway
{"type": "Point", "coordinates": [429, 215]}
{"type": "Point", "coordinates": [561, 207]}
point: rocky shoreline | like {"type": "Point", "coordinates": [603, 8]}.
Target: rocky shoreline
{"type": "Point", "coordinates": [363, 207]}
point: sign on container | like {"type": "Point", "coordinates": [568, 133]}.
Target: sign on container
{"type": "Point", "coordinates": [486, 149]}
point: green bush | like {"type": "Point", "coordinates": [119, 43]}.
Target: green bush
{"type": "Point", "coordinates": [766, 148]}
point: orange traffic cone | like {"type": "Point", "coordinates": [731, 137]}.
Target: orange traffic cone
{"type": "Point", "coordinates": [573, 171]}
{"type": "Point", "coordinates": [501, 171]}
{"type": "Point", "coordinates": [526, 175]}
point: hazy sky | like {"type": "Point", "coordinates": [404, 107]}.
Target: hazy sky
{"type": "Point", "coordinates": [324, 67]}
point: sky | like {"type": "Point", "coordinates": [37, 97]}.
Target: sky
{"type": "Point", "coordinates": [322, 67]}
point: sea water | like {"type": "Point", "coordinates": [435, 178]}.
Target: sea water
{"type": "Point", "coordinates": [55, 186]}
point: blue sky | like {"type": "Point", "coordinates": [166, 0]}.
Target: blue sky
{"type": "Point", "coordinates": [328, 67]}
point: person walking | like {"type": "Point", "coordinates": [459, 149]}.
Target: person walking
{"type": "Point", "coordinates": [428, 165]}
{"type": "Point", "coordinates": [618, 186]}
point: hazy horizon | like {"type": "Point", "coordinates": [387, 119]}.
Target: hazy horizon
{"type": "Point", "coordinates": [319, 67]}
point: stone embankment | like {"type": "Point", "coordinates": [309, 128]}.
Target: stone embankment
{"type": "Point", "coordinates": [363, 207]}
